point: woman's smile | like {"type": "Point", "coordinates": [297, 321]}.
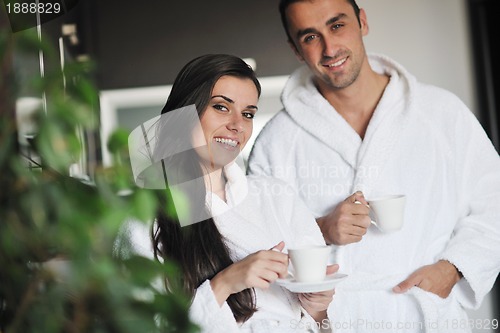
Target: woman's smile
{"type": "Point", "coordinates": [227, 143]}
{"type": "Point", "coordinates": [227, 122]}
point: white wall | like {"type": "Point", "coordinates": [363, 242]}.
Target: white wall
{"type": "Point", "coordinates": [429, 37]}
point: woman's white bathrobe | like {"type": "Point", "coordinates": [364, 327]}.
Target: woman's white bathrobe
{"type": "Point", "coordinates": [260, 212]}
{"type": "Point", "coordinates": [423, 142]}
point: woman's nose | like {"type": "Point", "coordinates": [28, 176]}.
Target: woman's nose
{"type": "Point", "coordinates": [236, 124]}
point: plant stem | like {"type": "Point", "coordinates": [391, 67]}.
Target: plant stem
{"type": "Point", "coordinates": [27, 299]}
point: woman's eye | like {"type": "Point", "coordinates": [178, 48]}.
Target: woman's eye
{"type": "Point", "coordinates": [220, 107]}
{"type": "Point", "coordinates": [248, 115]}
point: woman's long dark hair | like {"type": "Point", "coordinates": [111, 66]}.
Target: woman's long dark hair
{"type": "Point", "coordinates": [199, 248]}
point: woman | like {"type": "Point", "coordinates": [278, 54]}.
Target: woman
{"type": "Point", "coordinates": [233, 254]}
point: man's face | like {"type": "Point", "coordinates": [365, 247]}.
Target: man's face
{"type": "Point", "coordinates": [327, 36]}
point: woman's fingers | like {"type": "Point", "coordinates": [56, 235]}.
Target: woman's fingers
{"type": "Point", "coordinates": [262, 268]}
{"type": "Point", "coordinates": [330, 269]}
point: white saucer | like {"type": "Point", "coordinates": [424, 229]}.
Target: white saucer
{"type": "Point", "coordinates": [328, 283]}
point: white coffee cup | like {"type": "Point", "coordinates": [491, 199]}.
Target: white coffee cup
{"type": "Point", "coordinates": [387, 212]}
{"type": "Point", "coordinates": [309, 264]}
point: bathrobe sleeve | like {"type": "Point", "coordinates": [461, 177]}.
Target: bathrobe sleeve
{"type": "Point", "coordinates": [294, 219]}
{"type": "Point", "coordinates": [134, 239]}
{"type": "Point", "coordinates": [474, 247]}
{"type": "Point", "coordinates": [258, 163]}
{"type": "Point", "coordinates": [206, 312]}
{"type": "Point", "coordinates": [306, 231]}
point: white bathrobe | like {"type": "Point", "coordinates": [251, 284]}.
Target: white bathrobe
{"type": "Point", "coordinates": [260, 212]}
{"type": "Point", "coordinates": [423, 142]}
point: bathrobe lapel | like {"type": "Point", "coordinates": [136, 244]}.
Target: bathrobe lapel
{"type": "Point", "coordinates": [240, 216]}
{"type": "Point", "coordinates": [384, 133]}
{"type": "Point", "coordinates": [315, 115]}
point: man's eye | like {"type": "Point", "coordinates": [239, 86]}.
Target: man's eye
{"type": "Point", "coordinates": [309, 38]}
{"type": "Point", "coordinates": [248, 115]}
{"type": "Point", "coordinates": [337, 26]}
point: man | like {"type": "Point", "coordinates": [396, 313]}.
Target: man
{"type": "Point", "coordinates": [355, 125]}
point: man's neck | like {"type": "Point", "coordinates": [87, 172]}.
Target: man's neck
{"type": "Point", "coordinates": [357, 103]}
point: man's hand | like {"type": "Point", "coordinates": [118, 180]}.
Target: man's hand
{"type": "Point", "coordinates": [348, 222]}
{"type": "Point", "coordinates": [438, 278]}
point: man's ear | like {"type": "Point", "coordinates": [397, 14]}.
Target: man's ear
{"type": "Point", "coordinates": [364, 22]}
{"type": "Point", "coordinates": [295, 50]}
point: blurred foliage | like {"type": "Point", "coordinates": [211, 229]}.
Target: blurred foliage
{"type": "Point", "coordinates": [58, 272]}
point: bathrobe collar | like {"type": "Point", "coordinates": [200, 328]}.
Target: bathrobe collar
{"type": "Point", "coordinates": [236, 191]}
{"type": "Point", "coordinates": [314, 114]}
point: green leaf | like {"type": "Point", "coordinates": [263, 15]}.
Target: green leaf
{"type": "Point", "coordinates": [118, 140]}
{"type": "Point", "coordinates": [144, 204]}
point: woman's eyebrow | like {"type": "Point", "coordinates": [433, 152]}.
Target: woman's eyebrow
{"type": "Point", "coordinates": [227, 99]}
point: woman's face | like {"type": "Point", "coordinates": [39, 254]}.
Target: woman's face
{"type": "Point", "coordinates": [227, 122]}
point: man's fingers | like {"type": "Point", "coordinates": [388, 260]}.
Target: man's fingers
{"type": "Point", "coordinates": [348, 239]}
{"type": "Point", "coordinates": [359, 197]}
{"type": "Point", "coordinates": [411, 281]}
{"type": "Point", "coordinates": [278, 247]}
{"type": "Point", "coordinates": [354, 230]}
{"type": "Point", "coordinates": [354, 197]}
{"type": "Point", "coordinates": [362, 222]}
{"type": "Point", "coordinates": [359, 209]}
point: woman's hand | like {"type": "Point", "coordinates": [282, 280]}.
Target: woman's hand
{"type": "Point", "coordinates": [316, 304]}
{"type": "Point", "coordinates": [257, 270]}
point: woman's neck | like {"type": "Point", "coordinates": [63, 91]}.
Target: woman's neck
{"type": "Point", "coordinates": [216, 183]}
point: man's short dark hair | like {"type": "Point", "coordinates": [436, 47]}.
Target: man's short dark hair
{"type": "Point", "coordinates": [285, 3]}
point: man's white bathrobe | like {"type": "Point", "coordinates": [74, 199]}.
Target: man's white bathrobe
{"type": "Point", "coordinates": [260, 212]}
{"type": "Point", "coordinates": [423, 142]}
